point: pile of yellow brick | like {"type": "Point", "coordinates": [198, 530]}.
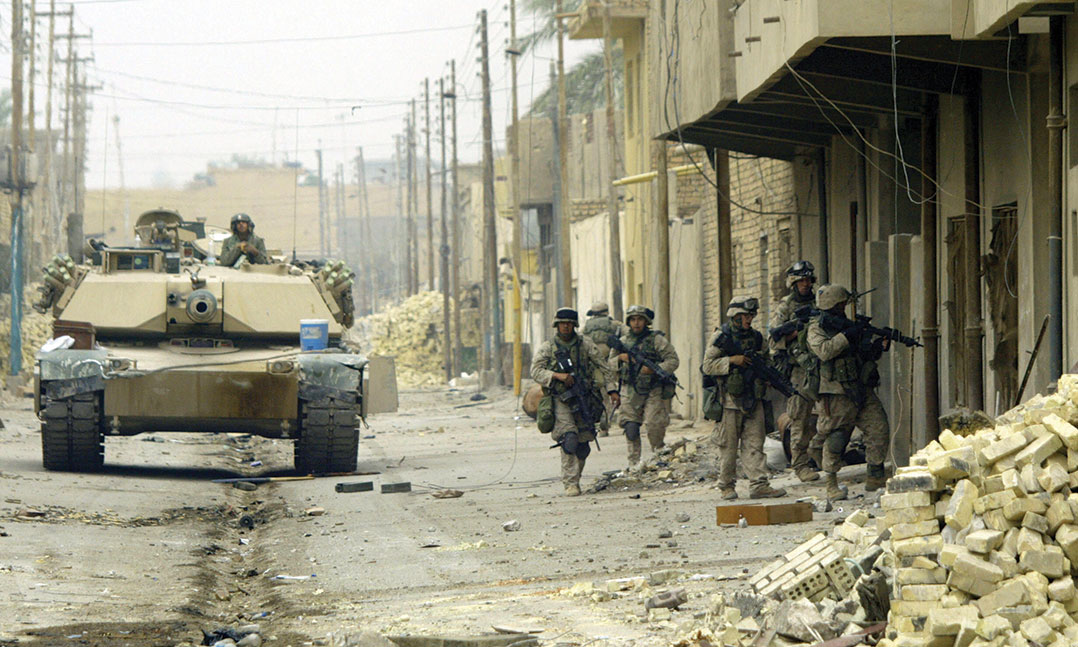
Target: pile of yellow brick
{"type": "Point", "coordinates": [814, 570]}
{"type": "Point", "coordinates": [984, 533]}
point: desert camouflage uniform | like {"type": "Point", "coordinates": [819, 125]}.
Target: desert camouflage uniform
{"type": "Point", "coordinates": [739, 426]}
{"type": "Point", "coordinates": [542, 371]}
{"type": "Point", "coordinates": [597, 329]}
{"type": "Point", "coordinates": [838, 412]}
{"type": "Point", "coordinates": [804, 442]}
{"type": "Point", "coordinates": [645, 403]}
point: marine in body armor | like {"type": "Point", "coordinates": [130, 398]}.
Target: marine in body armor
{"type": "Point", "coordinates": [647, 401]}
{"type": "Point", "coordinates": [598, 328]}
{"type": "Point", "coordinates": [743, 399]}
{"type": "Point", "coordinates": [573, 442]}
{"type": "Point", "coordinates": [848, 381]}
{"type": "Point", "coordinates": [788, 343]}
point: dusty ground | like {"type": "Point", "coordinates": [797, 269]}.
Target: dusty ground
{"type": "Point", "coordinates": [150, 551]}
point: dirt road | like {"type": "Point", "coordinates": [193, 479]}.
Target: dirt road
{"type": "Point", "coordinates": [150, 551]}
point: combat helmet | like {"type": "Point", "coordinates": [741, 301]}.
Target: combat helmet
{"type": "Point", "coordinates": [831, 295]}
{"type": "Point", "coordinates": [742, 306]}
{"type": "Point", "coordinates": [566, 315]}
{"type": "Point", "coordinates": [242, 217]}
{"type": "Point", "coordinates": [800, 270]}
{"type": "Point", "coordinates": [598, 308]}
{"type": "Point", "coordinates": [640, 311]}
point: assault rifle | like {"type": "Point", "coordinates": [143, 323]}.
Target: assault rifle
{"type": "Point", "coordinates": [838, 323]}
{"type": "Point", "coordinates": [578, 396]}
{"type": "Point", "coordinates": [793, 325]}
{"type": "Point", "coordinates": [760, 368]}
{"type": "Point", "coordinates": [637, 357]}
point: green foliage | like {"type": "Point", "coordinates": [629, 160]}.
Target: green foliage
{"type": "Point", "coordinates": [585, 87]}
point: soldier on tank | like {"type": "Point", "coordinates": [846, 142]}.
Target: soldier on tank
{"type": "Point", "coordinates": [242, 242]}
{"type": "Point", "coordinates": [648, 398]}
{"type": "Point", "coordinates": [598, 328]}
{"type": "Point", "coordinates": [743, 399]}
{"type": "Point", "coordinates": [557, 365]}
{"type": "Point", "coordinates": [789, 348]}
{"type": "Point", "coordinates": [848, 381]}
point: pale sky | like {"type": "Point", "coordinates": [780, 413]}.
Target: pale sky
{"type": "Point", "coordinates": [194, 81]}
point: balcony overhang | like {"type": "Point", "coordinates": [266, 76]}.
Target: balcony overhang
{"type": "Point", "coordinates": [626, 16]}
{"type": "Point", "coordinates": [769, 34]}
{"type": "Point", "coordinates": [980, 19]}
{"type": "Point", "coordinates": [846, 84]}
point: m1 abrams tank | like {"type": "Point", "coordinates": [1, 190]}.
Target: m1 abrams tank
{"type": "Point", "coordinates": [167, 341]}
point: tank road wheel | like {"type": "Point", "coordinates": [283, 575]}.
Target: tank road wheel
{"type": "Point", "coordinates": [329, 438]}
{"type": "Point", "coordinates": [71, 436]}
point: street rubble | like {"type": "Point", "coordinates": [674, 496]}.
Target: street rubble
{"type": "Point", "coordinates": [972, 545]}
{"type": "Point", "coordinates": [36, 327]}
{"type": "Point", "coordinates": [413, 332]}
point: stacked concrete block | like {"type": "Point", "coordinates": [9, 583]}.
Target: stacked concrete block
{"type": "Point", "coordinates": [814, 570]}
{"type": "Point", "coordinates": [984, 533]}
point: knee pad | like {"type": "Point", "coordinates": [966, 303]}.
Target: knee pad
{"type": "Point", "coordinates": [837, 440]}
{"type": "Point", "coordinates": [632, 431]}
{"type": "Point", "coordinates": [570, 443]}
{"type": "Point", "coordinates": [583, 450]}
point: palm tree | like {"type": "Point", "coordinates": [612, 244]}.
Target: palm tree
{"type": "Point", "coordinates": [584, 89]}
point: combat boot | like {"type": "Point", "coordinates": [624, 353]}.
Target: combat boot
{"type": "Point", "coordinates": [835, 492]}
{"type": "Point", "coordinates": [572, 489]}
{"type": "Point", "coordinates": [876, 478]}
{"type": "Point", "coordinates": [729, 494]}
{"type": "Point", "coordinates": [807, 474]}
{"type": "Point", "coordinates": [766, 492]}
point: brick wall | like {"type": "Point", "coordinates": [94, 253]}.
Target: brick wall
{"type": "Point", "coordinates": [763, 244]}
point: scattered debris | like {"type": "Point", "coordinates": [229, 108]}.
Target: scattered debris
{"type": "Point", "coordinates": [246, 486]}
{"type": "Point", "coordinates": [360, 486]}
{"type": "Point", "coordinates": [447, 494]}
{"type": "Point", "coordinates": [393, 488]}
{"type": "Point", "coordinates": [667, 599]}
{"type": "Point", "coordinates": [511, 526]}
{"type": "Point", "coordinates": [314, 511]}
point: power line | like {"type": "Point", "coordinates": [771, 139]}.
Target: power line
{"type": "Point", "coordinates": [295, 39]}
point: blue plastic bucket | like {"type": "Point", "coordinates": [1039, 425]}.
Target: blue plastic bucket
{"type": "Point", "coordinates": [313, 334]}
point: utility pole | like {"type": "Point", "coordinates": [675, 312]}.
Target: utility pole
{"type": "Point", "coordinates": [321, 204]}
{"type": "Point", "coordinates": [82, 109]}
{"type": "Point", "coordinates": [430, 208]}
{"type": "Point", "coordinates": [455, 249]}
{"type": "Point", "coordinates": [490, 243]}
{"type": "Point", "coordinates": [559, 205]}
{"type": "Point", "coordinates": [402, 223]}
{"type": "Point", "coordinates": [343, 244]}
{"type": "Point", "coordinates": [120, 164]}
{"type": "Point", "coordinates": [413, 208]}
{"type": "Point", "coordinates": [443, 250]}
{"type": "Point", "coordinates": [66, 178]}
{"type": "Point", "coordinates": [563, 149]}
{"type": "Point", "coordinates": [514, 181]}
{"type": "Point", "coordinates": [31, 143]}
{"type": "Point", "coordinates": [53, 228]}
{"type": "Point", "coordinates": [611, 191]}
{"type": "Point", "coordinates": [367, 299]}
{"type": "Point", "coordinates": [17, 179]}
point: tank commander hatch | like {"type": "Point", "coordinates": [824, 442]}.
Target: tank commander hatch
{"type": "Point", "coordinates": [242, 242]}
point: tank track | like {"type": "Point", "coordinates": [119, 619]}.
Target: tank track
{"type": "Point", "coordinates": [71, 434]}
{"type": "Point", "coordinates": [328, 441]}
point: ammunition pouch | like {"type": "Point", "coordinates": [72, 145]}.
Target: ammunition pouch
{"type": "Point", "coordinates": [644, 383]}
{"type": "Point", "coordinates": [783, 363]}
{"type": "Point", "coordinates": [712, 402]}
{"type": "Point", "coordinates": [870, 374]}
{"type": "Point", "coordinates": [735, 383]}
{"type": "Point", "coordinates": [544, 414]}
{"type": "Point", "coordinates": [669, 390]}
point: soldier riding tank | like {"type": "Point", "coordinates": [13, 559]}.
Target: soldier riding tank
{"type": "Point", "coordinates": [176, 343]}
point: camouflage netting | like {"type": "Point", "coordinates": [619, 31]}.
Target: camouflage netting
{"type": "Point", "coordinates": [413, 332]}
{"type": "Point", "coordinates": [36, 329]}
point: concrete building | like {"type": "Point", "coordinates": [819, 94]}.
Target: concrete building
{"type": "Point", "coordinates": [926, 142]}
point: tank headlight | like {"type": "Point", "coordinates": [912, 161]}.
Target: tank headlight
{"type": "Point", "coordinates": [201, 306]}
{"type": "Point", "coordinates": [280, 366]}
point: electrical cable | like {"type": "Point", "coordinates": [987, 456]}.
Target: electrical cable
{"type": "Point", "coordinates": [295, 39]}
